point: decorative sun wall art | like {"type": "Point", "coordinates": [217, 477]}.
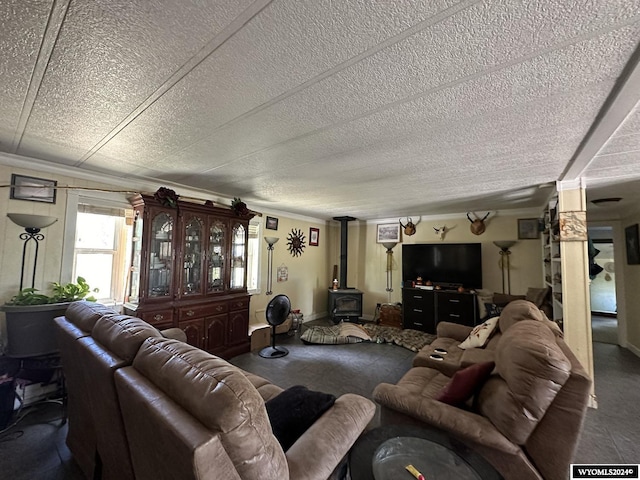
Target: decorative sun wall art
{"type": "Point", "coordinates": [295, 242]}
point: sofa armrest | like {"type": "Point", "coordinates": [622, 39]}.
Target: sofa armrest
{"type": "Point", "coordinates": [175, 334]}
{"type": "Point", "coordinates": [462, 424]}
{"type": "Point", "coordinates": [317, 453]}
{"type": "Point", "coordinates": [453, 330]}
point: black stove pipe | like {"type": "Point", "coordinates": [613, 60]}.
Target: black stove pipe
{"type": "Point", "coordinates": [344, 233]}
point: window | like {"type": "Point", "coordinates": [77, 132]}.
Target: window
{"type": "Point", "coordinates": [101, 249]}
{"type": "Point", "coordinates": [253, 257]}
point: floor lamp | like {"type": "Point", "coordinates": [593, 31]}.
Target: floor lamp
{"type": "Point", "coordinates": [389, 246]}
{"type": "Point", "coordinates": [32, 225]}
{"type": "Point", "coordinates": [271, 241]}
{"type": "Point", "coordinates": [504, 246]}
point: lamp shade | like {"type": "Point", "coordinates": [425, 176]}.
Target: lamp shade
{"type": "Point", "coordinates": [389, 245]}
{"type": "Point", "coordinates": [271, 240]}
{"type": "Point", "coordinates": [31, 221]}
{"type": "Point", "coordinates": [504, 244]}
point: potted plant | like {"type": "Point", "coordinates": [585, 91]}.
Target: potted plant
{"type": "Point", "coordinates": [30, 314]}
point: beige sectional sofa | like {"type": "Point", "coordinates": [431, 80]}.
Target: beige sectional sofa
{"type": "Point", "coordinates": [451, 335]}
{"type": "Point", "coordinates": [159, 408]}
{"type": "Point", "coordinates": [525, 419]}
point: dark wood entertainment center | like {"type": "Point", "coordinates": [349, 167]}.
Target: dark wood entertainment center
{"type": "Point", "coordinates": [423, 309]}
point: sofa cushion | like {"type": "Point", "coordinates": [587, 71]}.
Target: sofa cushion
{"type": "Point", "coordinates": [221, 397]}
{"type": "Point", "coordinates": [516, 311]}
{"type": "Point", "coordinates": [85, 314]}
{"type": "Point", "coordinates": [423, 382]}
{"type": "Point", "coordinates": [531, 370]}
{"type": "Point", "coordinates": [293, 411]}
{"type": "Point", "coordinates": [465, 383]}
{"type": "Point", "coordinates": [480, 334]}
{"type": "Point", "coordinates": [122, 334]}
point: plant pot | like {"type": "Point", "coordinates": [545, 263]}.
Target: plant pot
{"type": "Point", "coordinates": [30, 329]}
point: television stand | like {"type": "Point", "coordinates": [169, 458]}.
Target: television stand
{"type": "Point", "coordinates": [424, 309]}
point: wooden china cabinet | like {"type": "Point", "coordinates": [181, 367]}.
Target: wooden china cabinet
{"type": "Point", "coordinates": [188, 270]}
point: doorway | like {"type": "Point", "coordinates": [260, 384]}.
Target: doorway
{"type": "Point", "coordinates": [604, 308]}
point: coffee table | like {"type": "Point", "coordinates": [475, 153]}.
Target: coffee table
{"type": "Point", "coordinates": [383, 452]}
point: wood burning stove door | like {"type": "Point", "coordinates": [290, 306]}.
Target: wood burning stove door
{"type": "Point", "coordinates": [345, 304]}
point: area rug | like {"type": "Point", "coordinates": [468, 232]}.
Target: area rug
{"type": "Point", "coordinates": [346, 332]}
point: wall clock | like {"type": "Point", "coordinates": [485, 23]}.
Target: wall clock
{"type": "Point", "coordinates": [295, 242]}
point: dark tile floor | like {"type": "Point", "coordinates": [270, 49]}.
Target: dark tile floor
{"type": "Point", "coordinates": [35, 449]}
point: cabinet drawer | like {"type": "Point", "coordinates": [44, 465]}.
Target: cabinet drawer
{"type": "Point", "coordinates": [239, 304]}
{"type": "Point", "coordinates": [457, 308]}
{"type": "Point", "coordinates": [417, 297]}
{"type": "Point", "coordinates": [199, 311]}
{"type": "Point", "coordinates": [417, 324]}
{"type": "Point", "coordinates": [455, 303]}
{"type": "Point", "coordinates": [158, 317]}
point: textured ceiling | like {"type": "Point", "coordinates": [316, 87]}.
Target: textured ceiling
{"type": "Point", "coordinates": [325, 108]}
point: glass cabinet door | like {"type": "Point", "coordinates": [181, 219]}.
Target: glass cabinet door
{"type": "Point", "coordinates": [238, 256]}
{"type": "Point", "coordinates": [160, 256]}
{"type": "Point", "coordinates": [192, 257]}
{"type": "Point", "coordinates": [215, 257]}
{"type": "Point", "coordinates": [136, 260]}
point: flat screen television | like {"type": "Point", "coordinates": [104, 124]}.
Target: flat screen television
{"type": "Point", "coordinates": [447, 264]}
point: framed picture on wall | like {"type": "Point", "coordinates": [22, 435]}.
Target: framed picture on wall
{"type": "Point", "coordinates": [388, 233]}
{"type": "Point", "coordinates": [632, 244]}
{"type": "Point", "coordinates": [314, 236]}
{"type": "Point", "coordinates": [271, 223]}
{"type": "Point", "coordinates": [528, 229]}
{"type": "Point", "coordinates": [33, 189]}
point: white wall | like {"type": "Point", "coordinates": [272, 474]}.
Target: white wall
{"type": "Point", "coordinates": [631, 278]}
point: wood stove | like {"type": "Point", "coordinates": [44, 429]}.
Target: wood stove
{"type": "Point", "coordinates": [344, 303]}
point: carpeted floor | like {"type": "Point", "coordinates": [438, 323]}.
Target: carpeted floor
{"type": "Point", "coordinates": [604, 329]}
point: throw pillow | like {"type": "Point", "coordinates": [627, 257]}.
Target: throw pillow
{"type": "Point", "coordinates": [465, 383]}
{"type": "Point", "coordinates": [480, 334]}
{"type": "Point", "coordinates": [294, 410]}
{"type": "Point", "coordinates": [502, 299]}
{"type": "Point", "coordinates": [483, 296]}
{"type": "Point", "coordinates": [493, 310]}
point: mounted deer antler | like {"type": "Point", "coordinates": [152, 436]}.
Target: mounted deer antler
{"type": "Point", "coordinates": [477, 226]}
{"type": "Point", "coordinates": [410, 227]}
{"type": "Point", "coordinates": [440, 231]}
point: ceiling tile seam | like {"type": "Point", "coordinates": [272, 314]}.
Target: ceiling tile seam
{"type": "Point", "coordinates": [619, 105]}
{"type": "Point", "coordinates": [622, 136]}
{"type": "Point", "coordinates": [440, 127]}
{"type": "Point", "coordinates": [444, 14]}
{"type": "Point", "coordinates": [56, 18]}
{"type": "Point", "coordinates": [462, 80]}
{"type": "Point", "coordinates": [613, 154]}
{"type": "Point", "coordinates": [214, 44]}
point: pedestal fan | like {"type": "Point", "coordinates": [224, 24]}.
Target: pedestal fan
{"type": "Point", "coordinates": [277, 312]}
